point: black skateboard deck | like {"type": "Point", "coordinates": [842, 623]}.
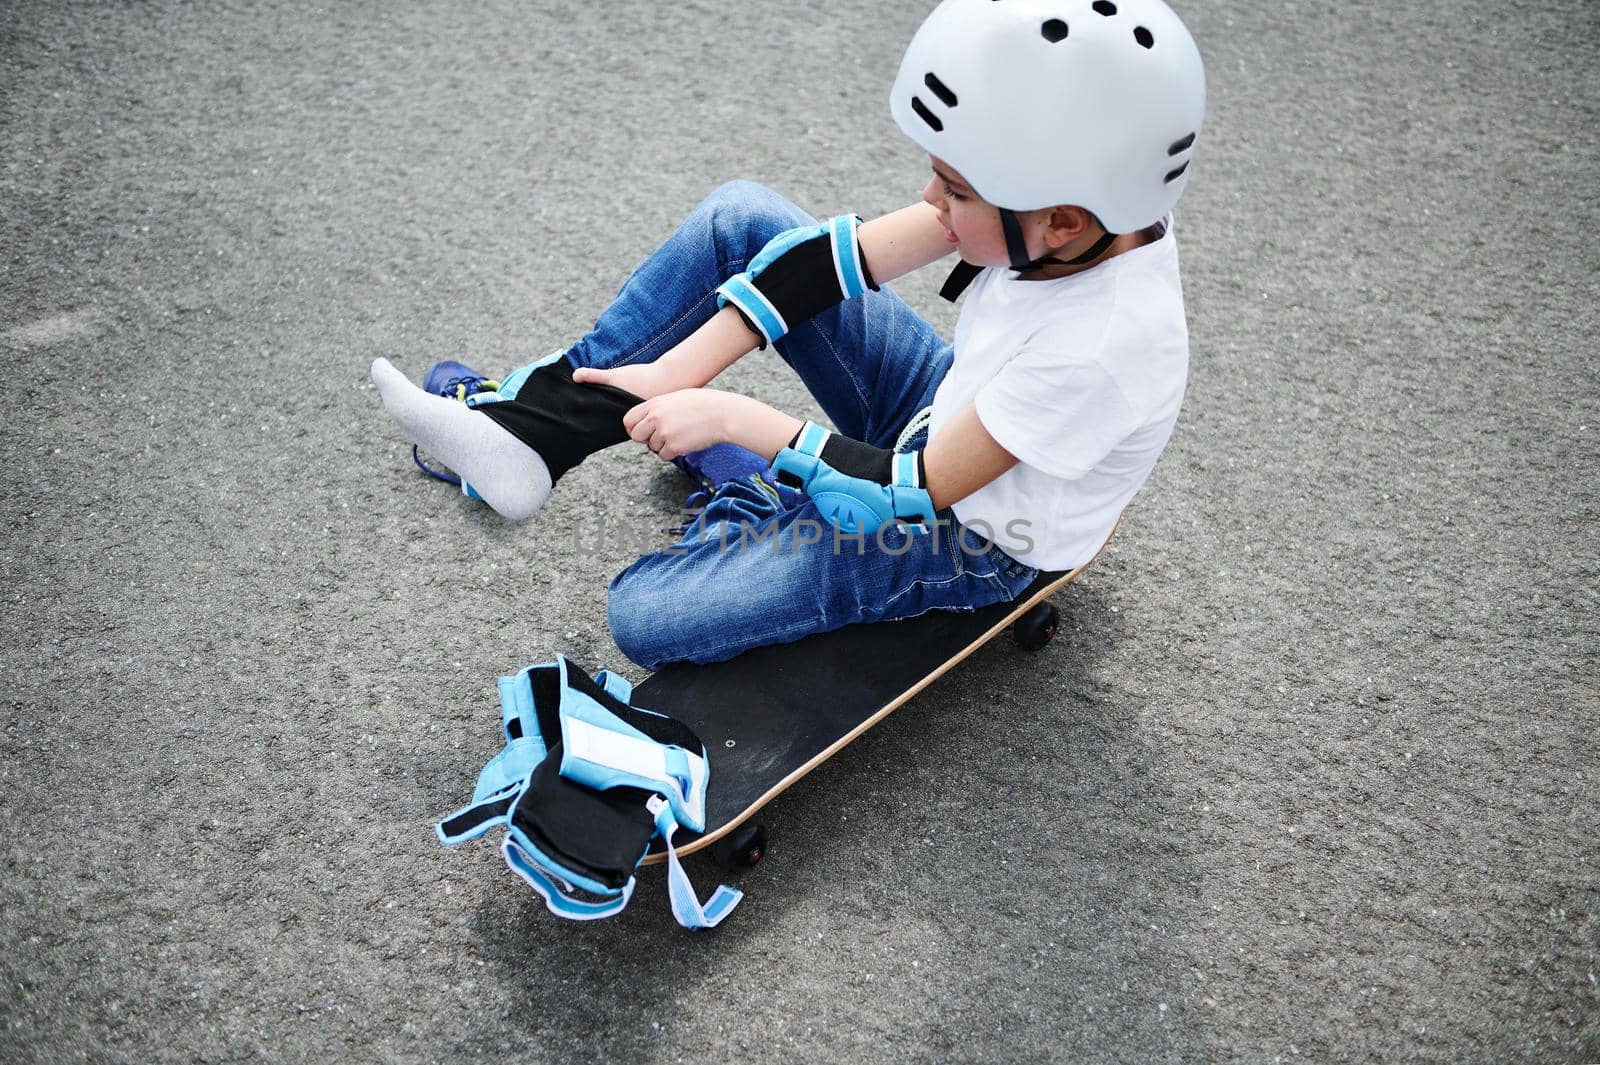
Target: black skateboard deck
{"type": "Point", "coordinates": [773, 714]}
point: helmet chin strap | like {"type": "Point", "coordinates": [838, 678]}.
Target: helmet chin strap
{"type": "Point", "coordinates": [1017, 250]}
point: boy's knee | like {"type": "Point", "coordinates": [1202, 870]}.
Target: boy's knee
{"type": "Point", "coordinates": [634, 615]}
{"type": "Point", "coordinates": [744, 215]}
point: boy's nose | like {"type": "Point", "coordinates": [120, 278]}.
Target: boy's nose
{"type": "Point", "coordinates": [930, 192]}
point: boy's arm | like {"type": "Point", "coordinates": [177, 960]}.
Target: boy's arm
{"type": "Point", "coordinates": [962, 457]}
{"type": "Point", "coordinates": [902, 241]}
{"type": "Point", "coordinates": [892, 246]}
{"type": "Point", "coordinates": [958, 460]}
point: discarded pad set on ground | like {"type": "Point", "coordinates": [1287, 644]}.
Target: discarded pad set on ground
{"type": "Point", "coordinates": [584, 783]}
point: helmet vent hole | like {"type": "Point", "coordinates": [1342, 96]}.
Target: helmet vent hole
{"type": "Point", "coordinates": [1054, 30]}
{"type": "Point", "coordinates": [1105, 7]}
{"type": "Point", "coordinates": [940, 89]}
{"type": "Point", "coordinates": [1176, 174]}
{"type": "Point", "coordinates": [927, 116]}
{"type": "Point", "coordinates": [1181, 146]}
{"type": "Point", "coordinates": [1145, 38]}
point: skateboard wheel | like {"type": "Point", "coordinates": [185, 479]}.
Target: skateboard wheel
{"type": "Point", "coordinates": [1035, 628]}
{"type": "Point", "coordinates": [742, 848]}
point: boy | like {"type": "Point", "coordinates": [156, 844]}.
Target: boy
{"type": "Point", "coordinates": [1059, 138]}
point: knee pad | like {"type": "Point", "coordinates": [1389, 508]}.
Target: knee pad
{"type": "Point", "coordinates": [585, 782]}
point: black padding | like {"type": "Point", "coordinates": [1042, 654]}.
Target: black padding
{"type": "Point", "coordinates": [857, 458]}
{"type": "Point", "coordinates": [601, 835]}
{"type": "Point", "coordinates": [546, 684]}
{"type": "Point", "coordinates": [661, 729]}
{"type": "Point", "coordinates": [802, 282]}
{"type": "Point", "coordinates": [563, 421]}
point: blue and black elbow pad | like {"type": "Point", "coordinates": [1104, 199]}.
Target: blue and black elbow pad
{"type": "Point", "coordinates": [857, 487]}
{"type": "Point", "coordinates": [799, 273]}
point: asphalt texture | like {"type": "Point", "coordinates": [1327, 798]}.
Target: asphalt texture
{"type": "Point", "coordinates": [1310, 773]}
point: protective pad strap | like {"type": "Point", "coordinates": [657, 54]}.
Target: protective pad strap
{"type": "Point", "coordinates": [760, 314]}
{"type": "Point", "coordinates": [619, 688]}
{"type": "Point", "coordinates": [500, 782]}
{"type": "Point", "coordinates": [848, 265]}
{"type": "Point", "coordinates": [908, 469]}
{"type": "Point", "coordinates": [687, 908]}
{"type": "Point", "coordinates": [810, 440]}
{"type": "Point", "coordinates": [530, 704]}
{"type": "Point", "coordinates": [474, 820]}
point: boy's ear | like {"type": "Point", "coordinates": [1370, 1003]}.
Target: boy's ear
{"type": "Point", "coordinates": [1066, 224]}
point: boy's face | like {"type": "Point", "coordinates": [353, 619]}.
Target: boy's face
{"type": "Point", "coordinates": [971, 224]}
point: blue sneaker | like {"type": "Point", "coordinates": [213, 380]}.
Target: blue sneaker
{"type": "Point", "coordinates": [452, 380]}
{"type": "Point", "coordinates": [721, 463]}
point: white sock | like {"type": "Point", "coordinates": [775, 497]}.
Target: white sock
{"type": "Point", "coordinates": [508, 474]}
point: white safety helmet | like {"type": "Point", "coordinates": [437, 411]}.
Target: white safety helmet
{"type": "Point", "coordinates": [1095, 103]}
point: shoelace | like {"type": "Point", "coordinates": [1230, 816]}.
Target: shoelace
{"type": "Point", "coordinates": [700, 497]}
{"type": "Point", "coordinates": [458, 389]}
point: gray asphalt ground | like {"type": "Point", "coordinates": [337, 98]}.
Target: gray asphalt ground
{"type": "Point", "coordinates": [1311, 775]}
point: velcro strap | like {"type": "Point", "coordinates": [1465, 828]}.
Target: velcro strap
{"type": "Point", "coordinates": [905, 470]}
{"type": "Point", "coordinates": [847, 263]}
{"type": "Point", "coordinates": [617, 687]}
{"type": "Point", "coordinates": [811, 439]}
{"type": "Point", "coordinates": [499, 783]}
{"type": "Point", "coordinates": [603, 758]}
{"type": "Point", "coordinates": [474, 820]}
{"type": "Point", "coordinates": [741, 291]}
{"type": "Point", "coordinates": [516, 707]}
{"type": "Point", "coordinates": [793, 469]}
{"type": "Point", "coordinates": [913, 506]}
{"type": "Point", "coordinates": [687, 908]}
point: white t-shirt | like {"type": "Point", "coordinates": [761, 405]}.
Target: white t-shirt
{"type": "Point", "coordinates": [1079, 377]}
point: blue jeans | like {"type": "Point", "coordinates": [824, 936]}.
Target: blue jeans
{"type": "Point", "coordinates": [747, 571]}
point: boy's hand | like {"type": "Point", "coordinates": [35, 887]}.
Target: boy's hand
{"type": "Point", "coordinates": [676, 423]}
{"type": "Point", "coordinates": [692, 419]}
{"type": "Point", "coordinates": [646, 380]}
